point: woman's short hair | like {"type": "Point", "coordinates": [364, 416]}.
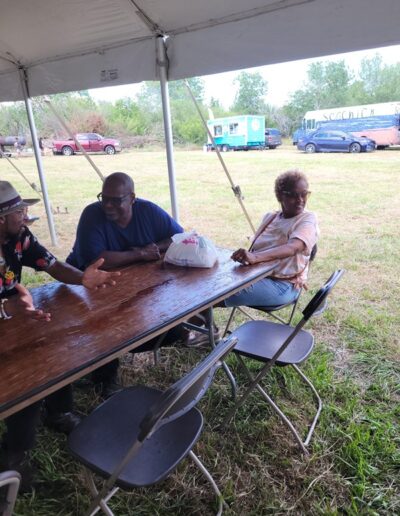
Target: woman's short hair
{"type": "Point", "coordinates": [287, 181]}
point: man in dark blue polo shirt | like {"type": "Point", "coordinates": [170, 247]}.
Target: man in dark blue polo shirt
{"type": "Point", "coordinates": [122, 230]}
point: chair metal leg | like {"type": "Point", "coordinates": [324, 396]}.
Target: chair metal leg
{"type": "Point", "coordinates": [283, 418]}
{"type": "Point", "coordinates": [156, 349]}
{"type": "Point", "coordinates": [210, 479]}
{"type": "Point", "coordinates": [319, 401]}
{"type": "Point", "coordinates": [228, 372]}
{"type": "Point", "coordinates": [250, 388]}
{"type": "Point", "coordinates": [231, 315]}
{"type": "Point", "coordinates": [278, 411]}
{"type": "Point", "coordinates": [11, 479]}
{"type": "Point", "coordinates": [102, 504]}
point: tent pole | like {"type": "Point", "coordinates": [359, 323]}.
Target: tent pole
{"type": "Point", "coordinates": [162, 63]}
{"type": "Point", "coordinates": [38, 156]}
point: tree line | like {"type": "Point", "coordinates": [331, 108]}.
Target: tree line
{"type": "Point", "coordinates": [138, 121]}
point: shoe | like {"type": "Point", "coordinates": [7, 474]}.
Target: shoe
{"type": "Point", "coordinates": [19, 461]}
{"type": "Point", "coordinates": [63, 422]}
{"type": "Point", "coordinates": [201, 340]}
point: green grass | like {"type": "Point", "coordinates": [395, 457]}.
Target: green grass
{"type": "Point", "coordinates": [354, 463]}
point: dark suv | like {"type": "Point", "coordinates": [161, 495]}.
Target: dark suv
{"type": "Point", "coordinates": [272, 138]}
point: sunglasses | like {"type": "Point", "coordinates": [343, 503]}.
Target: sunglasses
{"type": "Point", "coordinates": [297, 195]}
{"type": "Point", "coordinates": [115, 201]}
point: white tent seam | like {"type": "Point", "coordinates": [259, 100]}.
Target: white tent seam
{"type": "Point", "coordinates": [242, 15]}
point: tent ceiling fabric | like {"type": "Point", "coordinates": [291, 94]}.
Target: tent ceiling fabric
{"type": "Point", "coordinates": [78, 44]}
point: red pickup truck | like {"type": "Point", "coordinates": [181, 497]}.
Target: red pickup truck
{"type": "Point", "coordinates": [91, 142]}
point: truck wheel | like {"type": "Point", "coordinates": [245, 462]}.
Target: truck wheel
{"type": "Point", "coordinates": [67, 150]}
{"type": "Point", "coordinates": [272, 146]}
{"type": "Point", "coordinates": [225, 148]}
{"type": "Point", "coordinates": [109, 149]}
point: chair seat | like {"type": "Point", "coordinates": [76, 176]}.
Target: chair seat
{"type": "Point", "coordinates": [102, 439]}
{"type": "Point", "coordinates": [262, 339]}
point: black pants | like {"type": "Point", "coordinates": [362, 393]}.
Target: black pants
{"type": "Point", "coordinates": [21, 427]}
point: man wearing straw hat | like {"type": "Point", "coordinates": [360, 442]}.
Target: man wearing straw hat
{"type": "Point", "coordinates": [18, 248]}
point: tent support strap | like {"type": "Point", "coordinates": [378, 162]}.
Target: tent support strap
{"type": "Point", "coordinates": [235, 188]}
{"type": "Point", "coordinates": [162, 63]}
{"type": "Point", "coordinates": [35, 142]}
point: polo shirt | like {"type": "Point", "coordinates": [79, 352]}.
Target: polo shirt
{"type": "Point", "coordinates": [95, 233]}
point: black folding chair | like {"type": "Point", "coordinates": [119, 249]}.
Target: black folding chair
{"type": "Point", "coordinates": [139, 436]}
{"type": "Point", "coordinates": [283, 345]}
{"type": "Point", "coordinates": [270, 310]}
{"type": "Point", "coordinates": [9, 480]}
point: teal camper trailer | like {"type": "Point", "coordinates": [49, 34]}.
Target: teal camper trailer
{"type": "Point", "coordinates": [241, 132]}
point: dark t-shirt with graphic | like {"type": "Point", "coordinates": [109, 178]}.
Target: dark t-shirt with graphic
{"type": "Point", "coordinates": [22, 250]}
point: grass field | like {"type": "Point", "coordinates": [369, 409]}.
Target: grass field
{"type": "Point", "coordinates": [354, 463]}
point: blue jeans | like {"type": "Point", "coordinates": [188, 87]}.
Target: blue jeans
{"type": "Point", "coordinates": [266, 292]}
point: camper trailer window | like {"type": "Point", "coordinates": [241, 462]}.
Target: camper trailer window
{"type": "Point", "coordinates": [233, 128]}
{"type": "Point", "coordinates": [217, 130]}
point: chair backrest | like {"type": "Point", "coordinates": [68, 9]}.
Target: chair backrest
{"type": "Point", "coordinates": [9, 480]}
{"type": "Point", "coordinates": [320, 297]}
{"type": "Point", "coordinates": [309, 311]}
{"type": "Point", "coordinates": [186, 392]}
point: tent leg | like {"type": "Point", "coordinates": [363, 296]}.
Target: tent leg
{"type": "Point", "coordinates": [162, 63]}
{"type": "Point", "coordinates": [38, 156]}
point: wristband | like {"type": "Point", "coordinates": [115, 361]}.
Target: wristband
{"type": "Point", "coordinates": [3, 313]}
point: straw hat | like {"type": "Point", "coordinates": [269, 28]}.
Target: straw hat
{"type": "Point", "coordinates": [10, 200]}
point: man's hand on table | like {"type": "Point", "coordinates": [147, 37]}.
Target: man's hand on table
{"type": "Point", "coordinates": [148, 253]}
{"type": "Point", "coordinates": [94, 278]}
{"type": "Point", "coordinates": [22, 304]}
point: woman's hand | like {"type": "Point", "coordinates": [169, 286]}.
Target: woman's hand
{"type": "Point", "coordinates": [244, 257]}
{"type": "Point", "coordinates": [22, 304]}
{"type": "Point", "coordinates": [94, 278]}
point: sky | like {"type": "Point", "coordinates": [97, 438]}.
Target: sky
{"type": "Point", "coordinates": [283, 79]}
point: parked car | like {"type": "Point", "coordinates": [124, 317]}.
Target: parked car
{"type": "Point", "coordinates": [335, 141]}
{"type": "Point", "coordinates": [91, 142]}
{"type": "Point", "coordinates": [273, 137]}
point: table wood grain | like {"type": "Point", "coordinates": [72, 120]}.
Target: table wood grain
{"type": "Point", "coordinates": [90, 328]}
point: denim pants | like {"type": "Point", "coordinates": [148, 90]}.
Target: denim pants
{"type": "Point", "coordinates": [266, 292]}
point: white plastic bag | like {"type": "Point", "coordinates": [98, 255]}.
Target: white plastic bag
{"type": "Point", "coordinates": [191, 250]}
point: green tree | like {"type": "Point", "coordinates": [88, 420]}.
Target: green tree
{"type": "Point", "coordinates": [380, 82]}
{"type": "Point", "coordinates": [249, 98]}
{"type": "Point", "coordinates": [328, 85]}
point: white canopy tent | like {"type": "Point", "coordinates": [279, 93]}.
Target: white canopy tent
{"type": "Point", "coordinates": [52, 46]}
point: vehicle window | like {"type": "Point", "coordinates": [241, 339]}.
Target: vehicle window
{"type": "Point", "coordinates": [217, 130]}
{"type": "Point", "coordinates": [334, 136]}
{"type": "Point", "coordinates": [321, 135]}
{"type": "Point", "coordinates": [233, 128]}
{"type": "Point", "coordinates": [93, 136]}
{"type": "Point", "coordinates": [311, 123]}
{"type": "Point", "coordinates": [82, 136]}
